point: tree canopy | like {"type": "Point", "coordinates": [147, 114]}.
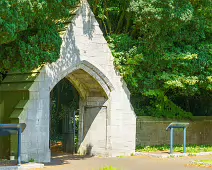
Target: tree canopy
{"type": "Point", "coordinates": [29, 32]}
{"type": "Point", "coordinates": [163, 49]}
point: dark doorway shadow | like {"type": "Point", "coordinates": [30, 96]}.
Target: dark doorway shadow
{"type": "Point", "coordinates": [63, 125]}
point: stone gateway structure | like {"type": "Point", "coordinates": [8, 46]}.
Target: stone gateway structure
{"type": "Point", "coordinates": [107, 121]}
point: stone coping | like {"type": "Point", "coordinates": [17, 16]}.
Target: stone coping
{"type": "Point", "coordinates": [193, 118]}
{"type": "Point", "coordinates": [167, 155]}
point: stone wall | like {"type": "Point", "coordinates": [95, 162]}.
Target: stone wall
{"type": "Point", "coordinates": [152, 131]}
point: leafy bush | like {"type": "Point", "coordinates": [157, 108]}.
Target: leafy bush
{"type": "Point", "coordinates": [163, 49]}
{"type": "Point", "coordinates": [147, 81]}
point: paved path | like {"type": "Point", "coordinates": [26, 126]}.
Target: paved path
{"type": "Point", "coordinates": [68, 162]}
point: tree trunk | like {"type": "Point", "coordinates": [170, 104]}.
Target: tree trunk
{"type": "Point", "coordinates": [120, 23]}
{"type": "Point", "coordinates": [108, 22]}
{"type": "Point", "coordinates": [128, 18]}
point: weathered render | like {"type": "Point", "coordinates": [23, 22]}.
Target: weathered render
{"type": "Point", "coordinates": [107, 119]}
{"type": "Point", "coordinates": [152, 131]}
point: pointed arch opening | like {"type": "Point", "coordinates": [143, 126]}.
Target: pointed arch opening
{"type": "Point", "coordinates": [83, 123]}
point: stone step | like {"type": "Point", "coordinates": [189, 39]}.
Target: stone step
{"type": "Point", "coordinates": [18, 78]}
{"type": "Point", "coordinates": [19, 86]}
{"type": "Point", "coordinates": [16, 81]}
{"type": "Point", "coordinates": [1, 99]}
{"type": "Point", "coordinates": [16, 113]}
{"type": "Point", "coordinates": [21, 104]}
{"type": "Point", "coordinates": [18, 110]}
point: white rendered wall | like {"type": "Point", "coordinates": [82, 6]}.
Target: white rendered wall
{"type": "Point", "coordinates": [114, 128]}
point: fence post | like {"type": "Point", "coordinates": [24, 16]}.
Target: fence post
{"type": "Point", "coordinates": [184, 140]}
{"type": "Point", "coordinates": [172, 140]}
{"type": "Point", "coordinates": [19, 146]}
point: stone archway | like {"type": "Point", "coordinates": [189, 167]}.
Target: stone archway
{"type": "Point", "coordinates": [101, 120]}
{"type": "Point", "coordinates": [93, 107]}
{"type": "Point", "coordinates": [87, 62]}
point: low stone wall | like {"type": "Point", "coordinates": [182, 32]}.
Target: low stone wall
{"type": "Point", "coordinates": [152, 131]}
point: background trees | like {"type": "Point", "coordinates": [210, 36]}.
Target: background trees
{"type": "Point", "coordinates": [163, 50]}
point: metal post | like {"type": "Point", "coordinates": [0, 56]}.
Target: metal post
{"type": "Point", "coordinates": [82, 124]}
{"type": "Point", "coordinates": [74, 129]}
{"type": "Point", "coordinates": [19, 146]}
{"type": "Point", "coordinates": [172, 140]}
{"type": "Point", "coordinates": [184, 142]}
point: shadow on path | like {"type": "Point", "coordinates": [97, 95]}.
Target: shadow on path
{"type": "Point", "coordinates": [65, 158]}
{"type": "Point", "coordinates": [75, 162]}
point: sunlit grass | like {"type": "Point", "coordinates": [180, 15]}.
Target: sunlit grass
{"type": "Point", "coordinates": [177, 148]}
{"type": "Point", "coordinates": [202, 163]}
{"type": "Point", "coordinates": [207, 161]}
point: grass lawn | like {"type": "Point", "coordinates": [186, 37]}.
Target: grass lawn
{"type": "Point", "coordinates": [203, 163]}
{"type": "Point", "coordinates": [207, 161]}
{"type": "Point", "coordinates": [177, 148]}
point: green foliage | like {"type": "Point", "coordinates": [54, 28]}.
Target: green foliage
{"type": "Point", "coordinates": [164, 53]}
{"type": "Point", "coordinates": [112, 15]}
{"type": "Point", "coordinates": [31, 160]}
{"type": "Point", "coordinates": [157, 78]}
{"type": "Point", "coordinates": [145, 79]}
{"type": "Point", "coordinates": [202, 163]}
{"type": "Point", "coordinates": [207, 161]}
{"type": "Point", "coordinates": [160, 21]}
{"type": "Point", "coordinates": [162, 48]}
{"type": "Point", "coordinates": [29, 32]}
{"type": "Point", "coordinates": [109, 168]}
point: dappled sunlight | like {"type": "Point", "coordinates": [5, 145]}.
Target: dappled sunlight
{"type": "Point", "coordinates": [181, 81]}
{"type": "Point", "coordinates": [180, 57]}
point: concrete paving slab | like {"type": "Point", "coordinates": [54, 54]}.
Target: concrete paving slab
{"type": "Point", "coordinates": [167, 155]}
{"type": "Point", "coordinates": [68, 162]}
{"type": "Point", "coordinates": [27, 166]}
